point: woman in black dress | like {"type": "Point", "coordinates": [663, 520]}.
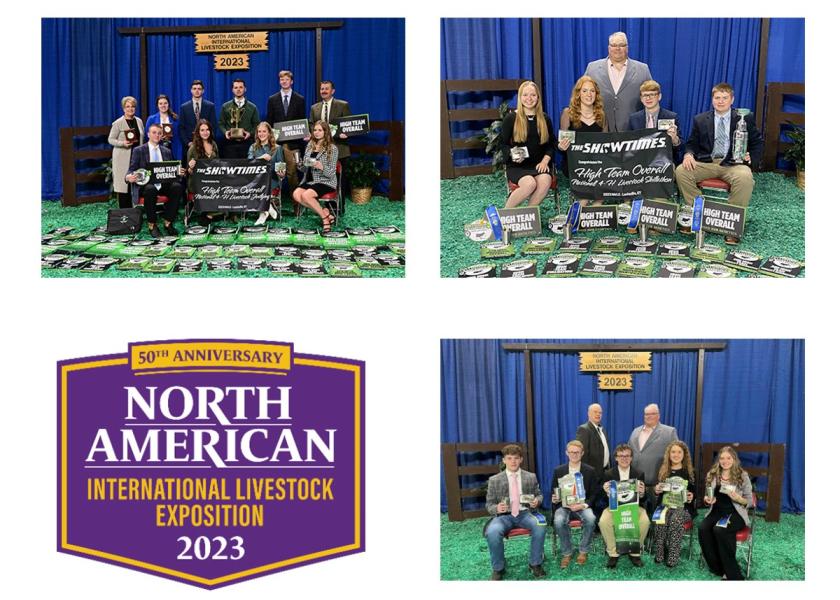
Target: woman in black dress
{"type": "Point", "coordinates": [675, 463]}
{"type": "Point", "coordinates": [527, 143]}
{"type": "Point", "coordinates": [584, 113]}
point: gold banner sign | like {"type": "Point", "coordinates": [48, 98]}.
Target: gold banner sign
{"type": "Point", "coordinates": [615, 361]}
{"type": "Point", "coordinates": [220, 355]}
{"type": "Point", "coordinates": [615, 381]}
{"type": "Point", "coordinates": [246, 41]}
{"type": "Point", "coordinates": [232, 62]}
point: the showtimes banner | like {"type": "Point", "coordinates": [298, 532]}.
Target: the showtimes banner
{"type": "Point", "coordinates": [621, 166]}
{"type": "Point", "coordinates": [211, 461]}
{"type": "Point", "coordinates": [232, 184]}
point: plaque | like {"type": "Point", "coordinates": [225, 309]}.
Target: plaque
{"type": "Point", "coordinates": [497, 250]}
{"type": "Point", "coordinates": [344, 269]}
{"type": "Point", "coordinates": [676, 269]}
{"type": "Point", "coordinates": [167, 130]}
{"type": "Point", "coordinates": [557, 223]}
{"type": "Point", "coordinates": [564, 134]}
{"type": "Point", "coordinates": [635, 266]}
{"type": "Point", "coordinates": [562, 265]}
{"type": "Point", "coordinates": [539, 245]}
{"type": "Point", "coordinates": [674, 250]}
{"type": "Point", "coordinates": [646, 248]}
{"type": "Point", "coordinates": [610, 244]}
{"type": "Point", "coordinates": [716, 270]}
{"type": "Point", "coordinates": [576, 244]}
{"type": "Point", "coordinates": [743, 260]}
{"type": "Point", "coordinates": [132, 136]}
{"type": "Point", "coordinates": [708, 252]}
{"type": "Point", "coordinates": [665, 124]}
{"type": "Point", "coordinates": [520, 269]}
{"type": "Point", "coordinates": [187, 265]}
{"type": "Point", "coordinates": [518, 153]}
{"type": "Point", "coordinates": [478, 231]}
{"type": "Point", "coordinates": [600, 265]}
{"type": "Point", "coordinates": [479, 271]}
{"type": "Point", "coordinates": [782, 266]}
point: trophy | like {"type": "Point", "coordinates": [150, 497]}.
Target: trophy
{"type": "Point", "coordinates": [309, 162]}
{"type": "Point", "coordinates": [143, 176]}
{"type": "Point", "coordinates": [742, 138]}
{"type": "Point", "coordinates": [280, 168]}
{"type": "Point", "coordinates": [236, 132]}
{"type": "Point", "coordinates": [518, 153]}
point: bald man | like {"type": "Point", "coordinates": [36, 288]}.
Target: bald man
{"type": "Point", "coordinates": [649, 441]}
{"type": "Point", "coordinates": [596, 446]}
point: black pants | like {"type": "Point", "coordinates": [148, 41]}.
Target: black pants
{"type": "Point", "coordinates": [124, 199]}
{"type": "Point", "coordinates": [345, 180]}
{"type": "Point", "coordinates": [172, 190]}
{"type": "Point", "coordinates": [236, 148]}
{"type": "Point", "coordinates": [718, 544]}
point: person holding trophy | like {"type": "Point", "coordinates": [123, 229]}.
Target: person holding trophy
{"type": "Point", "coordinates": [166, 117]}
{"type": "Point", "coordinates": [527, 144]}
{"type": "Point", "coordinates": [265, 148]}
{"type": "Point", "coordinates": [675, 498]}
{"type": "Point", "coordinates": [724, 144]}
{"type": "Point", "coordinates": [729, 493]}
{"type": "Point", "coordinates": [319, 176]}
{"type": "Point", "coordinates": [623, 471]}
{"type": "Point", "coordinates": [574, 495]}
{"type": "Point", "coordinates": [126, 133]}
{"type": "Point", "coordinates": [239, 120]}
{"type": "Point", "coordinates": [513, 497]}
{"type": "Point", "coordinates": [202, 147]}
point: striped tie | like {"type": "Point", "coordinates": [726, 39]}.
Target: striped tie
{"type": "Point", "coordinates": [721, 139]}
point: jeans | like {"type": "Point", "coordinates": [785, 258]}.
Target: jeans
{"type": "Point", "coordinates": [564, 532]}
{"type": "Point", "coordinates": [501, 524]}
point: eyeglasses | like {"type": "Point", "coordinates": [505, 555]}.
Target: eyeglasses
{"type": "Point", "coordinates": [650, 94]}
{"type": "Point", "coordinates": [575, 452]}
{"type": "Point", "coordinates": [624, 456]}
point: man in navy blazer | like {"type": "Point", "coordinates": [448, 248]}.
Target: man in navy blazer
{"type": "Point", "coordinates": [581, 511]}
{"type": "Point", "coordinates": [287, 105]}
{"type": "Point", "coordinates": [627, 73]}
{"type": "Point", "coordinates": [141, 156]}
{"type": "Point", "coordinates": [709, 155]}
{"type": "Point", "coordinates": [649, 117]}
{"type": "Point", "coordinates": [187, 115]}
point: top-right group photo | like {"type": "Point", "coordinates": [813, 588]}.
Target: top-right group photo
{"type": "Point", "coordinates": [623, 147]}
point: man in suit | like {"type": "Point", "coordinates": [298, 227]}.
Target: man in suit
{"type": "Point", "coordinates": [596, 450]}
{"type": "Point", "coordinates": [141, 156]}
{"type": "Point", "coordinates": [649, 117]}
{"type": "Point", "coordinates": [708, 152]}
{"type": "Point", "coordinates": [504, 491]}
{"type": "Point", "coordinates": [238, 113]}
{"type": "Point", "coordinates": [194, 110]}
{"type": "Point", "coordinates": [330, 109]}
{"type": "Point", "coordinates": [618, 79]}
{"type": "Point", "coordinates": [288, 105]}
{"type": "Point", "coordinates": [649, 441]}
{"type": "Point", "coordinates": [621, 472]}
{"type": "Point", "coordinates": [580, 510]}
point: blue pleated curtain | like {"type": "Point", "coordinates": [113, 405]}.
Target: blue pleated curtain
{"type": "Point", "coordinates": [753, 392]}
{"type": "Point", "coordinates": [87, 67]}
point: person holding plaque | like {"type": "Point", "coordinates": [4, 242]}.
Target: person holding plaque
{"type": "Point", "coordinates": [584, 113]}
{"type": "Point", "coordinates": [527, 143]}
{"type": "Point", "coordinates": [288, 105]}
{"type": "Point", "coordinates": [653, 116]}
{"type": "Point", "coordinates": [622, 472]}
{"type": "Point", "coordinates": [330, 109]}
{"type": "Point", "coordinates": [239, 119]}
{"type": "Point", "coordinates": [675, 497]}
{"type": "Point", "coordinates": [729, 493]}
{"type": "Point", "coordinates": [513, 497]}
{"type": "Point", "coordinates": [575, 487]}
{"type": "Point", "coordinates": [192, 111]}
{"type": "Point", "coordinates": [126, 133]}
{"type": "Point", "coordinates": [266, 148]}
{"type": "Point", "coordinates": [202, 147]}
{"type": "Point", "coordinates": [166, 117]}
{"type": "Point", "coordinates": [319, 176]}
{"type": "Point", "coordinates": [710, 152]}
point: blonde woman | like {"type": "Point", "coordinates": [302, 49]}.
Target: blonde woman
{"type": "Point", "coordinates": [527, 130]}
{"type": "Point", "coordinates": [126, 133]}
{"type": "Point", "coordinates": [675, 463]}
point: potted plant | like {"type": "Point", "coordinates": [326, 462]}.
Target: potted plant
{"type": "Point", "coordinates": [490, 139]}
{"type": "Point", "coordinates": [796, 153]}
{"type": "Point", "coordinates": [362, 173]}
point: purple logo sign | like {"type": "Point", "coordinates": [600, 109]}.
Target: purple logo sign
{"type": "Point", "coordinates": [210, 461]}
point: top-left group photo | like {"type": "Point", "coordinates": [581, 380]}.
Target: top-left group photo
{"type": "Point", "coordinates": [223, 147]}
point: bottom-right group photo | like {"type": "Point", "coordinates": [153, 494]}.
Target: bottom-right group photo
{"type": "Point", "coordinates": [622, 459]}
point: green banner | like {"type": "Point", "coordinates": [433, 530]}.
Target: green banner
{"type": "Point", "coordinates": [624, 504]}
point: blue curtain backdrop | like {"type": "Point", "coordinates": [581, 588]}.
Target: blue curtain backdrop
{"type": "Point", "coordinates": [753, 392]}
{"type": "Point", "coordinates": [87, 67]}
{"type": "Point", "coordinates": [686, 56]}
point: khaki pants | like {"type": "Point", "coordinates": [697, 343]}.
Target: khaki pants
{"type": "Point", "coordinates": [608, 531]}
{"type": "Point", "coordinates": [291, 167]}
{"type": "Point", "coordinates": [739, 178]}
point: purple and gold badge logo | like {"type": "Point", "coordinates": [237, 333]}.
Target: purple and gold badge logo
{"type": "Point", "coordinates": [211, 462]}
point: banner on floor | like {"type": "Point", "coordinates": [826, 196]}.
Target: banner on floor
{"type": "Point", "coordinates": [232, 184]}
{"type": "Point", "coordinates": [621, 166]}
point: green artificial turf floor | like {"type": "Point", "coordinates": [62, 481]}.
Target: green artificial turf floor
{"type": "Point", "coordinates": [775, 220]}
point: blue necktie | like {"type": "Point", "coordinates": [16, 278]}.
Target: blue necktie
{"type": "Point", "coordinates": [721, 139]}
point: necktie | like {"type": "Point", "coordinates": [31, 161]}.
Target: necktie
{"type": "Point", "coordinates": [324, 114]}
{"type": "Point", "coordinates": [156, 158]}
{"type": "Point", "coordinates": [514, 496]}
{"type": "Point", "coordinates": [649, 124]}
{"type": "Point", "coordinates": [720, 139]}
{"type": "Point", "coordinates": [197, 107]}
{"type": "Point", "coordinates": [285, 104]}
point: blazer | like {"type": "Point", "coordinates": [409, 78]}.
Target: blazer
{"type": "Point", "coordinates": [649, 459]}
{"type": "Point", "coordinates": [275, 113]}
{"type": "Point", "coordinates": [176, 137]}
{"type": "Point", "coordinates": [590, 482]}
{"type": "Point", "coordinates": [638, 120]}
{"type": "Point", "coordinates": [120, 155]}
{"type": "Point", "coordinates": [187, 122]}
{"type": "Point", "coordinates": [701, 142]}
{"type": "Point", "coordinates": [140, 159]}
{"type": "Point", "coordinates": [326, 176]}
{"type": "Point", "coordinates": [248, 120]}
{"type": "Point", "coordinates": [498, 488]}
{"type": "Point", "coordinates": [620, 106]}
{"type": "Point", "coordinates": [743, 489]}
{"type": "Point", "coordinates": [593, 449]}
{"type": "Point", "coordinates": [338, 108]}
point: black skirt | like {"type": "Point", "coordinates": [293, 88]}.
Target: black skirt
{"type": "Point", "coordinates": [320, 188]}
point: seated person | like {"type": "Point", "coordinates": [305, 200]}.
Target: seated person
{"type": "Point", "coordinates": [675, 463]}
{"type": "Point", "coordinates": [621, 472]}
{"type": "Point", "coordinates": [202, 147]}
{"type": "Point", "coordinates": [265, 148]}
{"type": "Point", "coordinates": [732, 494]}
{"type": "Point", "coordinates": [649, 116]}
{"type": "Point", "coordinates": [528, 127]}
{"type": "Point", "coordinates": [581, 511]}
{"type": "Point", "coordinates": [504, 491]}
{"type": "Point", "coordinates": [141, 156]}
{"type": "Point", "coordinates": [319, 176]}
{"type": "Point", "coordinates": [708, 152]}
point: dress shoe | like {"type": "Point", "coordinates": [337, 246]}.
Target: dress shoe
{"type": "Point", "coordinates": [497, 575]}
{"type": "Point", "coordinates": [564, 562]}
{"type": "Point", "coordinates": [155, 231]}
{"type": "Point", "coordinates": [170, 230]}
{"type": "Point", "coordinates": [262, 219]}
{"type": "Point", "coordinates": [732, 240]}
{"type": "Point", "coordinates": [272, 212]}
{"type": "Point", "coordinates": [612, 561]}
{"type": "Point", "coordinates": [537, 571]}
{"type": "Point", "coordinates": [581, 558]}
{"type": "Point", "coordinates": [204, 220]}
{"type": "Point", "coordinates": [637, 562]}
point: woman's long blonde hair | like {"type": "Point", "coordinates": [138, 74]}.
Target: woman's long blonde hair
{"type": "Point", "coordinates": [326, 142]}
{"type": "Point", "coordinates": [665, 469]}
{"type": "Point", "coordinates": [735, 473]}
{"type": "Point", "coordinates": [597, 107]}
{"type": "Point", "coordinates": [520, 126]}
{"type": "Point", "coordinates": [272, 143]}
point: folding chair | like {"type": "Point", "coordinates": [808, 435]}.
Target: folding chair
{"type": "Point", "coordinates": [575, 525]}
{"type": "Point", "coordinates": [714, 189]}
{"type": "Point", "coordinates": [334, 201]}
{"type": "Point", "coordinates": [745, 538]}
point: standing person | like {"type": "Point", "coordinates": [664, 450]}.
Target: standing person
{"type": "Point", "coordinates": [648, 118]}
{"type": "Point", "coordinates": [581, 511]}
{"type": "Point", "coordinates": [319, 177]}
{"type": "Point", "coordinates": [266, 148]}
{"type": "Point", "coordinates": [504, 491]}
{"type": "Point", "coordinates": [732, 491]}
{"type": "Point", "coordinates": [648, 442]}
{"type": "Point", "coordinates": [708, 152]}
{"type": "Point", "coordinates": [585, 113]}
{"type": "Point", "coordinates": [192, 111]}
{"type": "Point", "coordinates": [288, 105]}
{"type": "Point", "coordinates": [202, 147]}
{"type": "Point", "coordinates": [596, 450]}
{"type": "Point", "coordinates": [619, 78]}
{"type": "Point", "coordinates": [166, 117]}
{"type": "Point", "coordinates": [675, 463]}
{"type": "Point", "coordinates": [623, 471]}
{"type": "Point", "coordinates": [330, 109]}
{"type": "Point", "coordinates": [248, 119]}
{"type": "Point", "coordinates": [126, 133]}
{"type": "Point", "coordinates": [530, 128]}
